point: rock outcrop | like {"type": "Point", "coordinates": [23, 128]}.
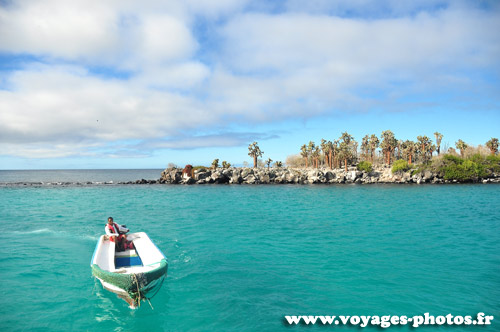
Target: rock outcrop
{"type": "Point", "coordinates": [380, 174]}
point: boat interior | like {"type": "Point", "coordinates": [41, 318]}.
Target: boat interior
{"type": "Point", "coordinates": [144, 257]}
{"type": "Point", "coordinates": [127, 258]}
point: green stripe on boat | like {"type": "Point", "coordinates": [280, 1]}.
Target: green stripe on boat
{"type": "Point", "coordinates": [127, 281]}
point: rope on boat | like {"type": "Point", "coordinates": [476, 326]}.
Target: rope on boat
{"type": "Point", "coordinates": [150, 304]}
{"type": "Point", "coordinates": [138, 294]}
{"type": "Point", "coordinates": [137, 297]}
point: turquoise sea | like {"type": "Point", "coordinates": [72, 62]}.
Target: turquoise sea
{"type": "Point", "coordinates": [243, 257]}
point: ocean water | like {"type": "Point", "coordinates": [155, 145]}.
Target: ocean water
{"type": "Point", "coordinates": [243, 257]}
{"type": "Point", "coordinates": [73, 176]}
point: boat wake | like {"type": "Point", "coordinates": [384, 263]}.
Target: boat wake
{"type": "Point", "coordinates": [63, 234]}
{"type": "Point", "coordinates": [36, 231]}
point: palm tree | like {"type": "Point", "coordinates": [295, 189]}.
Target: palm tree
{"type": "Point", "coordinates": [374, 144]}
{"type": "Point", "coordinates": [315, 156]}
{"type": "Point", "coordinates": [215, 163]}
{"type": "Point", "coordinates": [439, 137]}
{"type": "Point", "coordinates": [346, 148]}
{"type": "Point", "coordinates": [424, 144]}
{"type": "Point", "coordinates": [431, 149]}
{"type": "Point", "coordinates": [462, 146]}
{"type": "Point", "coordinates": [324, 148]}
{"type": "Point", "coordinates": [336, 151]}
{"type": "Point", "coordinates": [304, 153]}
{"type": "Point", "coordinates": [268, 162]}
{"type": "Point", "coordinates": [254, 152]}
{"type": "Point", "coordinates": [310, 149]}
{"type": "Point", "coordinates": [399, 146]}
{"type": "Point", "coordinates": [409, 148]}
{"type": "Point", "coordinates": [492, 144]}
{"type": "Point", "coordinates": [365, 147]}
{"type": "Point", "coordinates": [388, 145]}
{"type": "Point", "coordinates": [330, 150]}
{"type": "Point", "coordinates": [354, 149]}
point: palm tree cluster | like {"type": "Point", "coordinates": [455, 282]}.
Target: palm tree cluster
{"type": "Point", "coordinates": [330, 153]}
{"type": "Point", "coordinates": [369, 145]}
{"type": "Point", "coordinates": [345, 150]}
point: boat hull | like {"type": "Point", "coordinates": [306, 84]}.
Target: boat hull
{"type": "Point", "coordinates": [132, 283]}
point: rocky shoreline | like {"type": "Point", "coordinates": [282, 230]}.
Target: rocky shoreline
{"type": "Point", "coordinates": [380, 174]}
{"type": "Point", "coordinates": [235, 175]}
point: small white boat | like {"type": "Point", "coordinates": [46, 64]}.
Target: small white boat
{"type": "Point", "coordinates": [131, 274]}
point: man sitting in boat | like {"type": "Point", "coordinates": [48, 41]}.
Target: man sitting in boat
{"type": "Point", "coordinates": [117, 234]}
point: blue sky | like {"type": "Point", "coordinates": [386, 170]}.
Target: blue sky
{"type": "Point", "coordinates": [122, 84]}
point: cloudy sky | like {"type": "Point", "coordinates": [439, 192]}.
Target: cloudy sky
{"type": "Point", "coordinates": [129, 84]}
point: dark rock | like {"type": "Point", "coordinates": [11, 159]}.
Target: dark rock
{"type": "Point", "coordinates": [246, 172]}
{"type": "Point", "coordinates": [250, 179]}
{"type": "Point", "coordinates": [236, 178]}
{"type": "Point", "coordinates": [222, 179]}
{"type": "Point", "coordinates": [428, 175]}
{"type": "Point", "coordinates": [329, 176]}
{"type": "Point", "coordinates": [265, 179]}
{"type": "Point", "coordinates": [201, 175]}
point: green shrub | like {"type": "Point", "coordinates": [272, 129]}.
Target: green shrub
{"type": "Point", "coordinates": [493, 163]}
{"type": "Point", "coordinates": [418, 169]}
{"type": "Point", "coordinates": [465, 171]}
{"type": "Point", "coordinates": [400, 166]}
{"type": "Point", "coordinates": [493, 159]}
{"type": "Point", "coordinates": [365, 166]}
{"type": "Point", "coordinates": [452, 158]}
{"type": "Point", "coordinates": [477, 158]}
{"type": "Point", "coordinates": [201, 168]}
{"type": "Point", "coordinates": [473, 168]}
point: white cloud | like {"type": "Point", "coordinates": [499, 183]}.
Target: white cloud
{"type": "Point", "coordinates": [326, 63]}
{"type": "Point", "coordinates": [182, 75]}
{"type": "Point", "coordinates": [59, 28]}
{"type": "Point", "coordinates": [228, 139]}
{"type": "Point", "coordinates": [165, 38]}
{"type": "Point", "coordinates": [61, 103]}
{"type": "Point", "coordinates": [261, 67]}
{"type": "Point", "coordinates": [44, 150]}
{"type": "Point", "coordinates": [51, 108]}
{"type": "Point", "coordinates": [359, 47]}
{"type": "Point", "coordinates": [118, 33]}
